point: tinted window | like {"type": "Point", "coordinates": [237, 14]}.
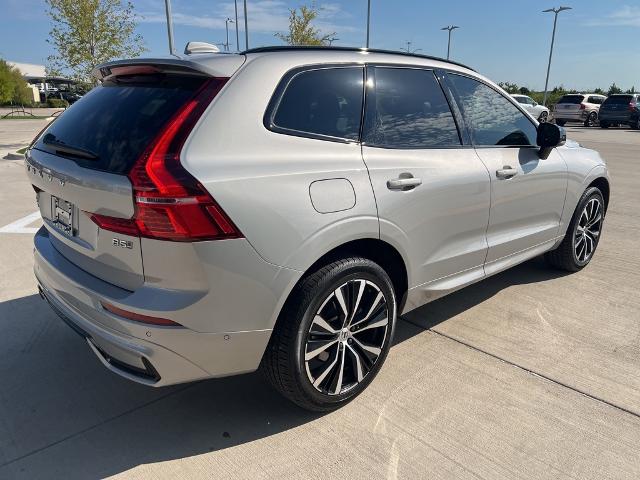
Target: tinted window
{"type": "Point", "coordinates": [493, 119]}
{"type": "Point", "coordinates": [524, 100]}
{"type": "Point", "coordinates": [407, 109]}
{"type": "Point", "coordinates": [324, 102]}
{"type": "Point", "coordinates": [575, 99]}
{"type": "Point", "coordinates": [595, 100]}
{"type": "Point", "coordinates": [117, 120]}
{"type": "Point", "coordinates": [619, 100]}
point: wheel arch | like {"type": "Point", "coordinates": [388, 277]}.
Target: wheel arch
{"type": "Point", "coordinates": [603, 185]}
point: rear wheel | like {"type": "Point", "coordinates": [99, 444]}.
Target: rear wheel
{"type": "Point", "coordinates": [592, 120]}
{"type": "Point", "coordinates": [333, 335]}
{"type": "Point", "coordinates": [635, 124]}
{"type": "Point", "coordinates": [604, 124]}
{"type": "Point", "coordinates": [561, 123]}
{"type": "Point", "coordinates": [583, 235]}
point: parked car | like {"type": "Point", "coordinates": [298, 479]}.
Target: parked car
{"type": "Point", "coordinates": [578, 107]}
{"type": "Point", "coordinates": [210, 215]}
{"type": "Point", "coordinates": [70, 97]}
{"type": "Point", "coordinates": [623, 109]}
{"type": "Point", "coordinates": [536, 110]}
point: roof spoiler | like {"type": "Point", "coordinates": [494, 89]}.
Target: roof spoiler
{"type": "Point", "coordinates": [211, 65]}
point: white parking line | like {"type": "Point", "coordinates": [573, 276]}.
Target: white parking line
{"type": "Point", "coordinates": [20, 226]}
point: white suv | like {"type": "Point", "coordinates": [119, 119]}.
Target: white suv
{"type": "Point", "coordinates": [540, 112]}
{"type": "Point", "coordinates": [578, 107]}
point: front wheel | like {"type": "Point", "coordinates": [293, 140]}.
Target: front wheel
{"type": "Point", "coordinates": [333, 334]}
{"type": "Point", "coordinates": [561, 123]}
{"type": "Point", "coordinates": [544, 117]}
{"type": "Point", "coordinates": [583, 235]}
{"type": "Point", "coordinates": [604, 125]}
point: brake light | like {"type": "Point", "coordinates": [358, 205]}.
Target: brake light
{"type": "Point", "coordinates": [169, 203]}
{"type": "Point", "coordinates": [632, 106]}
{"type": "Point", "coordinates": [583, 106]}
{"type": "Point", "coordinates": [137, 317]}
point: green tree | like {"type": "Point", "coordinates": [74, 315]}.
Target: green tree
{"type": "Point", "coordinates": [509, 87]}
{"type": "Point", "coordinates": [613, 89]}
{"type": "Point", "coordinates": [13, 88]}
{"type": "Point", "coordinates": [631, 90]}
{"type": "Point", "coordinates": [301, 30]}
{"type": "Point", "coordinates": [86, 33]}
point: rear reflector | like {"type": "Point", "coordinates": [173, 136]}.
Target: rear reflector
{"type": "Point", "coordinates": [136, 317]}
{"type": "Point", "coordinates": [169, 203]}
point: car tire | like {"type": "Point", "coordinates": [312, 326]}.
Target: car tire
{"type": "Point", "coordinates": [604, 125]}
{"type": "Point", "coordinates": [591, 120]}
{"type": "Point", "coordinates": [635, 124]}
{"type": "Point", "coordinates": [322, 353]}
{"type": "Point", "coordinates": [561, 123]}
{"type": "Point", "coordinates": [583, 235]}
{"type": "Point", "coordinates": [544, 117]}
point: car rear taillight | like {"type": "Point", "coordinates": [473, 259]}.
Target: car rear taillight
{"type": "Point", "coordinates": [583, 106]}
{"type": "Point", "coordinates": [632, 106]}
{"type": "Point", "coordinates": [169, 203]}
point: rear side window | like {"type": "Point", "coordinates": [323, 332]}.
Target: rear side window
{"type": "Point", "coordinates": [595, 100]}
{"type": "Point", "coordinates": [116, 121]}
{"type": "Point", "coordinates": [408, 109]}
{"type": "Point", "coordinates": [493, 119]}
{"type": "Point", "coordinates": [574, 99]}
{"type": "Point", "coordinates": [321, 103]}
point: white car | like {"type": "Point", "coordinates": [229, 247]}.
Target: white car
{"type": "Point", "coordinates": [534, 108]}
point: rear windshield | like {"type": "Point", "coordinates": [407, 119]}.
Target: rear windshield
{"type": "Point", "coordinates": [619, 100]}
{"type": "Point", "coordinates": [109, 128]}
{"type": "Point", "coordinates": [575, 99]}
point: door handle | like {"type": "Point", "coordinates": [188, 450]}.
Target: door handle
{"type": "Point", "coordinates": [506, 172]}
{"type": "Point", "coordinates": [404, 182]}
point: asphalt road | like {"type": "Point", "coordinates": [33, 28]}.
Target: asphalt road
{"type": "Point", "coordinates": [529, 374]}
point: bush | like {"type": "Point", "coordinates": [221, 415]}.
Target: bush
{"type": "Point", "coordinates": [13, 88]}
{"type": "Point", "coordinates": [57, 103]}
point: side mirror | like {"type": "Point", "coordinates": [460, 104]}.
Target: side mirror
{"type": "Point", "coordinates": [550, 136]}
{"type": "Point", "coordinates": [535, 104]}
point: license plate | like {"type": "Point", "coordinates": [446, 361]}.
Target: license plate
{"type": "Point", "coordinates": [62, 215]}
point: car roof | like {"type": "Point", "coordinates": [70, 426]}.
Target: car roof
{"type": "Point", "coordinates": [311, 49]}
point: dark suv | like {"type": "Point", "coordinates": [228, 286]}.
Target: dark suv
{"type": "Point", "coordinates": [623, 109]}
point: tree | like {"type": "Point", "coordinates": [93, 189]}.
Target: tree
{"type": "Point", "coordinates": [301, 32]}
{"type": "Point", "coordinates": [13, 88]}
{"type": "Point", "coordinates": [86, 33]}
{"type": "Point", "coordinates": [509, 87]}
{"type": "Point", "coordinates": [613, 89]}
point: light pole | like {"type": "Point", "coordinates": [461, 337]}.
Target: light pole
{"type": "Point", "coordinates": [451, 28]}
{"type": "Point", "coordinates": [235, 4]}
{"type": "Point", "coordinates": [246, 27]}
{"type": "Point", "coordinates": [556, 11]}
{"type": "Point", "coordinates": [408, 49]}
{"type": "Point", "coordinates": [167, 7]}
{"type": "Point", "coordinates": [226, 26]}
{"type": "Point", "coordinates": [368, 20]}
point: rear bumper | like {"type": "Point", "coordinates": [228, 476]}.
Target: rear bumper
{"type": "Point", "coordinates": [580, 116]}
{"type": "Point", "coordinates": [148, 354]}
{"type": "Point", "coordinates": [615, 117]}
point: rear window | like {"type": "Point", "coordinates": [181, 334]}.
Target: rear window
{"type": "Point", "coordinates": [575, 99]}
{"type": "Point", "coordinates": [619, 100]}
{"type": "Point", "coordinates": [116, 121]}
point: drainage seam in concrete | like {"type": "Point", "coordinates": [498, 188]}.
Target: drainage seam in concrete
{"type": "Point", "coordinates": [520, 367]}
{"type": "Point", "coordinates": [92, 427]}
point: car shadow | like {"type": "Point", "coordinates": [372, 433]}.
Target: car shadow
{"type": "Point", "coordinates": [63, 415]}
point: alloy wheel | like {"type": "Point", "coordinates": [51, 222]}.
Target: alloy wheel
{"type": "Point", "coordinates": [592, 119]}
{"type": "Point", "coordinates": [587, 231]}
{"type": "Point", "coordinates": [346, 337]}
{"type": "Point", "coordinates": [544, 117]}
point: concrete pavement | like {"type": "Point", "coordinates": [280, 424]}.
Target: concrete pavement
{"type": "Point", "coordinates": [529, 374]}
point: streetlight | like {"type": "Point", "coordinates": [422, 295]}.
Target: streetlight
{"type": "Point", "coordinates": [451, 28]}
{"type": "Point", "coordinates": [556, 11]}
{"type": "Point", "coordinates": [167, 6]}
{"type": "Point", "coordinates": [368, 20]}
{"type": "Point", "coordinates": [235, 4]}
{"type": "Point", "coordinates": [226, 26]}
{"type": "Point", "coordinates": [408, 49]}
{"type": "Point", "coordinates": [246, 27]}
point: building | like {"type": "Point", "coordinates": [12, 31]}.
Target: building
{"type": "Point", "coordinates": [43, 86]}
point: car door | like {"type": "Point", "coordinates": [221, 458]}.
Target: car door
{"type": "Point", "coordinates": [527, 193]}
{"type": "Point", "coordinates": [432, 192]}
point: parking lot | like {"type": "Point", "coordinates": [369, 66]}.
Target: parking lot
{"type": "Point", "coordinates": [532, 373]}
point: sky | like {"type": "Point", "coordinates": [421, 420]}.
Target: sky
{"type": "Point", "coordinates": [597, 43]}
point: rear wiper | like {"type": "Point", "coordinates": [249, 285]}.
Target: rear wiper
{"type": "Point", "coordinates": [63, 148]}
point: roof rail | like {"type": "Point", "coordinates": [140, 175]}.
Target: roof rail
{"type": "Point", "coordinates": [286, 48]}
